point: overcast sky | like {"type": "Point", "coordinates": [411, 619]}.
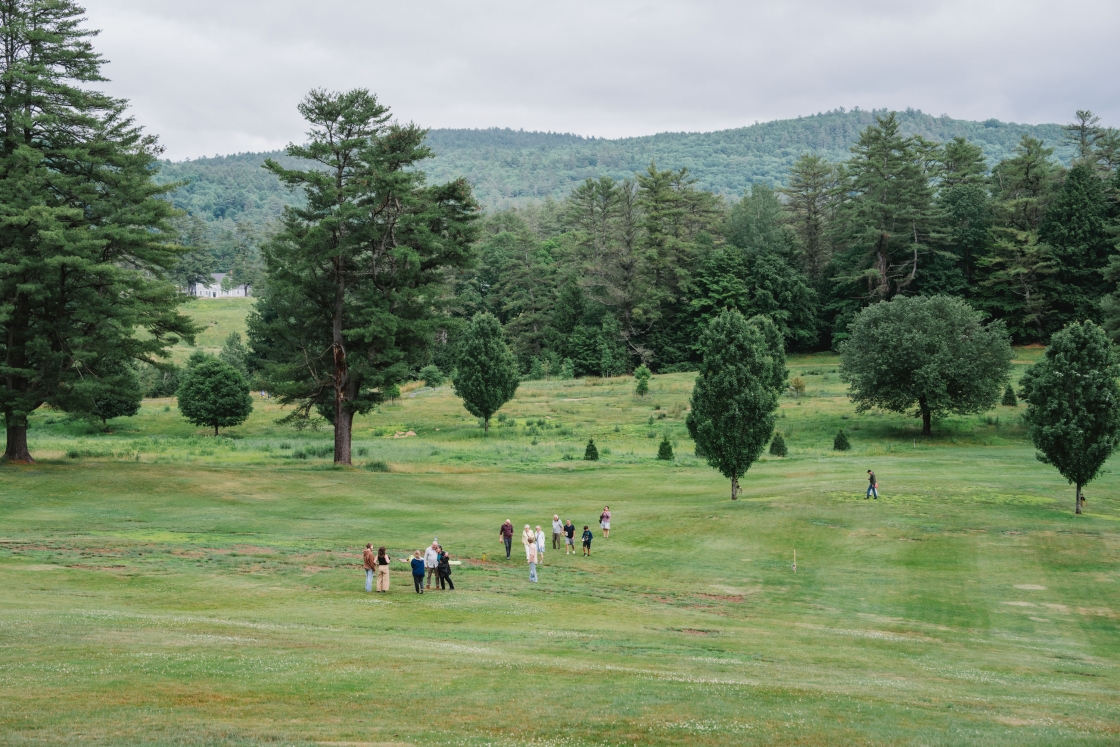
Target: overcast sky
{"type": "Point", "coordinates": [212, 76]}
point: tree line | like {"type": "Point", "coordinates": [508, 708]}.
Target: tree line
{"type": "Point", "coordinates": [628, 272]}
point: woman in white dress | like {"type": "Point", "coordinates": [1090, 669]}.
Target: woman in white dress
{"type": "Point", "coordinates": [540, 545]}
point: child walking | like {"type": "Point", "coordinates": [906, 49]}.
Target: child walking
{"type": "Point", "coordinates": [418, 571]}
{"type": "Point", "coordinates": [587, 537]}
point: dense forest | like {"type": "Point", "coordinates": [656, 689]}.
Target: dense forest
{"type": "Point", "coordinates": [620, 272]}
{"type": "Point", "coordinates": [626, 267]}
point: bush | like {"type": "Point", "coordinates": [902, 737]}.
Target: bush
{"type": "Point", "coordinates": [567, 369]}
{"type": "Point", "coordinates": [778, 445]}
{"type": "Point", "coordinates": [665, 450]}
{"type": "Point", "coordinates": [431, 376]}
{"type": "Point", "coordinates": [591, 454]}
{"type": "Point", "coordinates": [797, 384]}
{"type": "Point", "coordinates": [377, 465]}
{"type": "Point", "coordinates": [1009, 398]}
{"type": "Point", "coordinates": [840, 443]}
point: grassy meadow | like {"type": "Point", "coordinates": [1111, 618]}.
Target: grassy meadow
{"type": "Point", "coordinates": [162, 586]}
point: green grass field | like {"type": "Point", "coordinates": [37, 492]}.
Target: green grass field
{"type": "Point", "coordinates": [162, 586]}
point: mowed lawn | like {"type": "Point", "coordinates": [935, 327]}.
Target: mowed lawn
{"type": "Point", "coordinates": [161, 586]}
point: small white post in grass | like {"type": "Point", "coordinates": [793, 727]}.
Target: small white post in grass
{"type": "Point", "coordinates": [795, 561]}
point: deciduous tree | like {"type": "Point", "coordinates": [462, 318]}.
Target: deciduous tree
{"type": "Point", "coordinates": [1073, 404]}
{"type": "Point", "coordinates": [734, 400]}
{"type": "Point", "coordinates": [926, 352]}
{"type": "Point", "coordinates": [487, 372]}
{"type": "Point", "coordinates": [215, 394]}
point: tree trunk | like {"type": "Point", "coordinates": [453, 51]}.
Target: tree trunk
{"type": "Point", "coordinates": [1077, 500]}
{"type": "Point", "coordinates": [343, 426]}
{"type": "Point", "coordinates": [215, 430]}
{"type": "Point", "coordinates": [734, 488]}
{"type": "Point", "coordinates": [16, 450]}
{"type": "Point", "coordinates": [926, 417]}
{"type": "Point", "coordinates": [486, 425]}
{"type": "Point", "coordinates": [343, 417]}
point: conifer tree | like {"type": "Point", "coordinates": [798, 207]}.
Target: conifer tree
{"type": "Point", "coordinates": [665, 449]}
{"type": "Point", "coordinates": [355, 277]}
{"type": "Point", "coordinates": [810, 201]}
{"type": "Point", "coordinates": [86, 242]}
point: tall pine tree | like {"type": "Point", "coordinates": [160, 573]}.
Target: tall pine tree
{"type": "Point", "coordinates": [355, 277]}
{"type": "Point", "coordinates": [85, 238]}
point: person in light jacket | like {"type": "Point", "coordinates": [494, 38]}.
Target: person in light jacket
{"type": "Point", "coordinates": [557, 531]}
{"type": "Point", "coordinates": [540, 545]}
{"type": "Point", "coordinates": [431, 564]}
{"type": "Point", "coordinates": [528, 539]}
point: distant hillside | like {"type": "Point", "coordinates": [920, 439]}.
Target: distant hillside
{"type": "Point", "coordinates": [512, 166]}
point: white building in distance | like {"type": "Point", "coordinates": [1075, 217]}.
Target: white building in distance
{"type": "Point", "coordinates": [214, 289]}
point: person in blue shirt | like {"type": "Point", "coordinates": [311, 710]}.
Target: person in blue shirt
{"type": "Point", "coordinates": [587, 537]}
{"type": "Point", "coordinates": [418, 571]}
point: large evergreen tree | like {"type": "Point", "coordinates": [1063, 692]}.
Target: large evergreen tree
{"type": "Point", "coordinates": [355, 277]}
{"type": "Point", "coordinates": [810, 201]}
{"type": "Point", "coordinates": [85, 238]}
{"type": "Point", "coordinates": [487, 372]}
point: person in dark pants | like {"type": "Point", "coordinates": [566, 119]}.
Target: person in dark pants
{"type": "Point", "coordinates": [444, 569]}
{"type": "Point", "coordinates": [506, 536]}
{"type": "Point", "coordinates": [872, 486]}
{"type": "Point", "coordinates": [418, 571]}
{"type": "Point", "coordinates": [587, 537]}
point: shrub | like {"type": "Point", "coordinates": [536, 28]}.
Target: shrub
{"type": "Point", "coordinates": [431, 376]}
{"type": "Point", "coordinates": [377, 465]}
{"type": "Point", "coordinates": [840, 443]}
{"type": "Point", "coordinates": [797, 384]}
{"type": "Point", "coordinates": [363, 451]}
{"type": "Point", "coordinates": [567, 369]}
{"type": "Point", "coordinates": [778, 445]}
{"type": "Point", "coordinates": [591, 454]}
{"type": "Point", "coordinates": [665, 450]}
{"type": "Point", "coordinates": [1009, 398]}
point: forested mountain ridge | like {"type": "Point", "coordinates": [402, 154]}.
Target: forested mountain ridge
{"type": "Point", "coordinates": [509, 167]}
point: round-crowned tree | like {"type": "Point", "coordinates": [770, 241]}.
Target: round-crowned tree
{"type": "Point", "coordinates": [1073, 403]}
{"type": "Point", "coordinates": [735, 396]}
{"type": "Point", "coordinates": [214, 394]}
{"type": "Point", "coordinates": [929, 354]}
{"type": "Point", "coordinates": [642, 376]}
{"type": "Point", "coordinates": [487, 376]}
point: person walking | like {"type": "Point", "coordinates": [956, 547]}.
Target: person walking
{"type": "Point", "coordinates": [557, 530]}
{"type": "Point", "coordinates": [367, 560]}
{"type": "Point", "coordinates": [382, 564]}
{"type": "Point", "coordinates": [587, 537]}
{"type": "Point", "coordinates": [532, 549]}
{"type": "Point", "coordinates": [431, 564]}
{"type": "Point", "coordinates": [505, 534]}
{"type": "Point", "coordinates": [417, 564]}
{"type": "Point", "coordinates": [872, 486]}
{"type": "Point", "coordinates": [445, 569]}
{"type": "Point", "coordinates": [569, 537]}
{"type": "Point", "coordinates": [605, 521]}
{"type": "Point", "coordinates": [528, 538]}
{"type": "Point", "coordinates": [540, 545]}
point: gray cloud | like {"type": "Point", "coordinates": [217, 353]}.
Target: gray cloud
{"type": "Point", "coordinates": [218, 77]}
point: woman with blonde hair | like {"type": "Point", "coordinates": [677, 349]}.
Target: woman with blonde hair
{"type": "Point", "coordinates": [539, 536]}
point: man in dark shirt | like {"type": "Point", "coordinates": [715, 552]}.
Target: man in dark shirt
{"type": "Point", "coordinates": [569, 537]}
{"type": "Point", "coordinates": [872, 486]}
{"type": "Point", "coordinates": [505, 534]}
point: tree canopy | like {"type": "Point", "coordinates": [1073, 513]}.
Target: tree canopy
{"type": "Point", "coordinates": [1073, 403]}
{"type": "Point", "coordinates": [932, 354]}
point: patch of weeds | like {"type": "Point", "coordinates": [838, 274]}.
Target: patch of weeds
{"type": "Point", "coordinates": [363, 451]}
{"type": "Point", "coordinates": [284, 445]}
{"type": "Point", "coordinates": [377, 465]}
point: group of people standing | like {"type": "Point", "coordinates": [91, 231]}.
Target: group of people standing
{"type": "Point", "coordinates": [534, 539]}
{"type": "Point", "coordinates": [434, 562]}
